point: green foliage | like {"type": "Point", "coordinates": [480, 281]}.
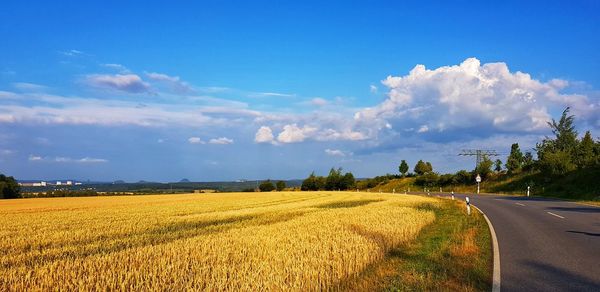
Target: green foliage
{"type": "Point", "coordinates": [266, 186]}
{"type": "Point", "coordinates": [428, 179]}
{"type": "Point", "coordinates": [556, 163]}
{"type": "Point", "coordinates": [585, 155]}
{"type": "Point", "coordinates": [378, 180]}
{"type": "Point", "coordinates": [423, 167]}
{"type": "Point", "coordinates": [462, 177]}
{"type": "Point", "coordinates": [280, 185]}
{"type": "Point", "coordinates": [336, 180]}
{"type": "Point", "coordinates": [498, 165]}
{"type": "Point", "coordinates": [9, 188]}
{"type": "Point", "coordinates": [528, 162]}
{"type": "Point", "coordinates": [403, 168]}
{"type": "Point", "coordinates": [514, 162]}
{"type": "Point", "coordinates": [484, 168]}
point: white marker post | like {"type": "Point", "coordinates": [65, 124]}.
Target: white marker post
{"type": "Point", "coordinates": [468, 206]}
{"type": "Point", "coordinates": [528, 191]}
{"type": "Point", "coordinates": [393, 191]}
{"type": "Point", "coordinates": [478, 180]}
{"type": "Point", "coordinates": [452, 195]}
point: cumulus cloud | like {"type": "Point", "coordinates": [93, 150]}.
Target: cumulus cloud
{"type": "Point", "coordinates": [471, 97]}
{"type": "Point", "coordinates": [196, 140]}
{"type": "Point", "coordinates": [264, 135]}
{"type": "Point", "coordinates": [337, 152]}
{"type": "Point", "coordinates": [131, 83]}
{"type": "Point", "coordinates": [293, 134]}
{"type": "Point", "coordinates": [174, 82]}
{"type": "Point", "coordinates": [34, 158]}
{"type": "Point", "coordinates": [221, 141]}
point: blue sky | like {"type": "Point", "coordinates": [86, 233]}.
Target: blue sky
{"type": "Point", "coordinates": [222, 90]}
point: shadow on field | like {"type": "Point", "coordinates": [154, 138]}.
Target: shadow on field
{"type": "Point", "coordinates": [347, 204]}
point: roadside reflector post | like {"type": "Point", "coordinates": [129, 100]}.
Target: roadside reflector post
{"type": "Point", "coordinates": [393, 191]}
{"type": "Point", "coordinates": [452, 195]}
{"type": "Point", "coordinates": [468, 205]}
{"type": "Point", "coordinates": [478, 180]}
{"type": "Point", "coordinates": [528, 190]}
{"type": "Point", "coordinates": [440, 189]}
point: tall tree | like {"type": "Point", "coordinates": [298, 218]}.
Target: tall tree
{"type": "Point", "coordinates": [514, 162]}
{"type": "Point", "coordinates": [266, 186]}
{"type": "Point", "coordinates": [557, 156]}
{"type": "Point", "coordinates": [484, 168]}
{"type": "Point", "coordinates": [332, 182]}
{"type": "Point", "coordinates": [403, 168]}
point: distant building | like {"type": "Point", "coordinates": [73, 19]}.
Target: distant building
{"type": "Point", "coordinates": [58, 183]}
{"type": "Point", "coordinates": [69, 183]}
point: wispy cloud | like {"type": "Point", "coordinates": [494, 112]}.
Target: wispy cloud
{"type": "Point", "coordinates": [117, 67]}
{"type": "Point", "coordinates": [29, 87]}
{"type": "Point", "coordinates": [174, 82]}
{"type": "Point", "coordinates": [60, 159]}
{"type": "Point", "coordinates": [337, 152]}
{"type": "Point", "coordinates": [195, 140]}
{"type": "Point", "coordinates": [270, 94]}
{"type": "Point", "coordinates": [130, 83]}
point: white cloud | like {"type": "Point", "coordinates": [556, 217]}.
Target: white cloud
{"type": "Point", "coordinates": [61, 159]}
{"type": "Point", "coordinates": [34, 158]}
{"type": "Point", "coordinates": [221, 141]}
{"type": "Point", "coordinates": [317, 101]}
{"type": "Point", "coordinates": [196, 140]}
{"type": "Point", "coordinates": [72, 53]}
{"type": "Point", "coordinates": [337, 152]}
{"type": "Point", "coordinates": [117, 67]}
{"type": "Point", "coordinates": [270, 94]}
{"type": "Point", "coordinates": [264, 135]}
{"type": "Point", "coordinates": [423, 129]}
{"type": "Point", "coordinates": [293, 134]}
{"type": "Point", "coordinates": [174, 82]}
{"type": "Point", "coordinates": [131, 83]}
{"type": "Point", "coordinates": [471, 97]}
{"type": "Point", "coordinates": [373, 89]}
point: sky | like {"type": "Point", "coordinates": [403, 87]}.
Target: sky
{"type": "Point", "coordinates": [227, 90]}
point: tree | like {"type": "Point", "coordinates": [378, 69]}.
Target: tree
{"type": "Point", "coordinates": [514, 161]}
{"type": "Point", "coordinates": [559, 155]}
{"type": "Point", "coordinates": [484, 168]}
{"type": "Point", "coordinates": [528, 161]}
{"type": "Point", "coordinates": [348, 181]}
{"type": "Point", "coordinates": [333, 180]}
{"type": "Point", "coordinates": [403, 168]}
{"type": "Point", "coordinates": [585, 155]}
{"type": "Point", "coordinates": [556, 163]}
{"type": "Point", "coordinates": [9, 188]}
{"type": "Point", "coordinates": [266, 186]}
{"type": "Point", "coordinates": [280, 185]}
{"type": "Point", "coordinates": [498, 165]}
{"type": "Point", "coordinates": [311, 183]}
{"type": "Point", "coordinates": [423, 168]}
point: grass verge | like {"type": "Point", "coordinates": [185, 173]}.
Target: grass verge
{"type": "Point", "coordinates": [453, 253]}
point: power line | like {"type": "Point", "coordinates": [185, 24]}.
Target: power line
{"type": "Point", "coordinates": [478, 153]}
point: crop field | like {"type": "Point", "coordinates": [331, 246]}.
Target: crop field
{"type": "Point", "coordinates": [240, 241]}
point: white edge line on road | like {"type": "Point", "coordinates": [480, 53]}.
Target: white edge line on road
{"type": "Point", "coordinates": [561, 217]}
{"type": "Point", "coordinates": [496, 271]}
{"type": "Point", "coordinates": [519, 204]}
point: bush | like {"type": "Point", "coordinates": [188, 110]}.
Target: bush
{"type": "Point", "coordinates": [9, 188]}
{"type": "Point", "coordinates": [266, 186]}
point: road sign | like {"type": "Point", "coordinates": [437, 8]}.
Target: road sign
{"type": "Point", "coordinates": [478, 178]}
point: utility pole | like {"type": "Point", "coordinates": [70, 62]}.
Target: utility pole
{"type": "Point", "coordinates": [479, 154]}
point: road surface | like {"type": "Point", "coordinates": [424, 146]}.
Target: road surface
{"type": "Point", "coordinates": [545, 244]}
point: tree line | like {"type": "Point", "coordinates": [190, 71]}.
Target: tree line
{"type": "Point", "coordinates": [336, 180]}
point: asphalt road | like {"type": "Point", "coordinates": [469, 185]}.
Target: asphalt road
{"type": "Point", "coordinates": [545, 244]}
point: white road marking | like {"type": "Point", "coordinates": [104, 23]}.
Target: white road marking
{"type": "Point", "coordinates": [561, 217]}
{"type": "Point", "coordinates": [519, 204]}
{"type": "Point", "coordinates": [496, 254]}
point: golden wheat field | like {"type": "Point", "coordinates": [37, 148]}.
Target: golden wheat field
{"type": "Point", "coordinates": [239, 241]}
